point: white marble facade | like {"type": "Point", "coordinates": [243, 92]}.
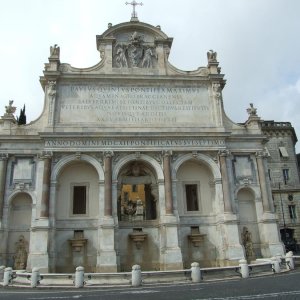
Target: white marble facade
{"type": "Point", "coordinates": [133, 161]}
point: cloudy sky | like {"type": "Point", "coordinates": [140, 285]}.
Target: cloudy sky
{"type": "Point", "coordinates": [257, 42]}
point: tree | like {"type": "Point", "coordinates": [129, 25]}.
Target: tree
{"type": "Point", "coordinates": [22, 118]}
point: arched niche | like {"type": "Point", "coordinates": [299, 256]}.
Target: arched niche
{"type": "Point", "coordinates": [66, 160]}
{"type": "Point", "coordinates": [20, 216]}
{"type": "Point", "coordinates": [137, 192]}
{"type": "Point", "coordinates": [76, 211]}
{"type": "Point", "coordinates": [195, 187]}
{"type": "Point", "coordinates": [248, 220]}
{"type": "Point", "coordinates": [78, 191]}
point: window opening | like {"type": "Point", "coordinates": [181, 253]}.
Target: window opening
{"type": "Point", "coordinates": [79, 200]}
{"type": "Point", "coordinates": [136, 203]}
{"type": "Point", "coordinates": [292, 212]}
{"type": "Point", "coordinates": [285, 173]}
{"type": "Point", "coordinates": [191, 197]}
{"type": "Point", "coordinates": [283, 153]}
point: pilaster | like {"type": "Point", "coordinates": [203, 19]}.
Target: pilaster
{"type": "Point", "coordinates": [170, 252]}
{"type": "Point", "coordinates": [168, 183]}
{"type": "Point", "coordinates": [262, 181]}
{"type": "Point", "coordinates": [225, 181]}
{"type": "Point", "coordinates": [3, 169]}
{"type": "Point", "coordinates": [108, 183]}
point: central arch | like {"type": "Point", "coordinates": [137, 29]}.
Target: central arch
{"type": "Point", "coordinates": [138, 208]}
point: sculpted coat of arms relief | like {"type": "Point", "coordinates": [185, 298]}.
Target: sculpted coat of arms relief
{"type": "Point", "coordinates": [134, 53]}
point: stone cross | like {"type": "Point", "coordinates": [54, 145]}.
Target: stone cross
{"type": "Point", "coordinates": [134, 4]}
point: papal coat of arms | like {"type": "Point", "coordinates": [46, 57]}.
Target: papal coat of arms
{"type": "Point", "coordinates": [134, 53]}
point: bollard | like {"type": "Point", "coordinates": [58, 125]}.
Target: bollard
{"type": "Point", "coordinates": [195, 272]}
{"type": "Point", "coordinates": [79, 277]}
{"type": "Point", "coordinates": [289, 260]}
{"type": "Point", "coordinates": [7, 278]}
{"type": "Point", "coordinates": [279, 258]}
{"type": "Point", "coordinates": [244, 268]}
{"type": "Point", "coordinates": [1, 272]}
{"type": "Point", "coordinates": [35, 277]}
{"type": "Point", "coordinates": [136, 275]}
{"type": "Point", "coordinates": [276, 265]}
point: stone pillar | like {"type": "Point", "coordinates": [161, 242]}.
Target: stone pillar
{"type": "Point", "coordinates": [35, 278]}
{"type": "Point", "coordinates": [3, 167]}
{"type": "Point", "coordinates": [108, 183]}
{"type": "Point", "coordinates": [262, 181]}
{"type": "Point", "coordinates": [38, 256]}
{"type": "Point", "coordinates": [244, 268]}
{"type": "Point", "coordinates": [289, 260]}
{"type": "Point", "coordinates": [225, 182]}
{"type": "Point", "coordinates": [79, 277]}
{"type": "Point", "coordinates": [46, 187]}
{"type": "Point", "coordinates": [2, 268]}
{"type": "Point", "coordinates": [195, 272]}
{"type": "Point", "coordinates": [168, 183]}
{"type": "Point", "coordinates": [136, 276]}
{"type": "Point", "coordinates": [275, 265]}
{"type": "Point", "coordinates": [7, 278]}
{"type": "Point", "coordinates": [106, 254]}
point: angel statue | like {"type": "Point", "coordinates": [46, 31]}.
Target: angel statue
{"type": "Point", "coordinates": [10, 109]}
{"type": "Point", "coordinates": [211, 56]}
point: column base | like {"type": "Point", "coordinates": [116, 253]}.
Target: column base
{"type": "Point", "coordinates": [271, 244]}
{"type": "Point", "coordinates": [170, 254]}
{"type": "Point", "coordinates": [38, 249]}
{"type": "Point", "coordinates": [106, 262]}
{"type": "Point", "coordinates": [38, 260]}
{"type": "Point", "coordinates": [270, 250]}
{"type": "Point", "coordinates": [171, 260]}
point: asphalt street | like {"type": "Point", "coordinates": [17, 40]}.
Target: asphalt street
{"type": "Point", "coordinates": [282, 286]}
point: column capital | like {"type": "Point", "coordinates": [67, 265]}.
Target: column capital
{"type": "Point", "coordinates": [261, 154]}
{"type": "Point", "coordinates": [3, 156]}
{"type": "Point", "coordinates": [224, 152]}
{"type": "Point", "coordinates": [167, 153]}
{"type": "Point", "coordinates": [108, 154]}
{"type": "Point", "coordinates": [45, 155]}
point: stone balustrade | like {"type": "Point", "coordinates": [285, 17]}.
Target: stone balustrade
{"type": "Point", "coordinates": [137, 277]}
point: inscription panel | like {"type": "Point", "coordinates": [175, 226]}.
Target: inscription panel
{"type": "Point", "coordinates": [133, 105]}
{"type": "Point", "coordinates": [133, 143]}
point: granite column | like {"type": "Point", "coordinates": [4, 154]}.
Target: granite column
{"type": "Point", "coordinates": [168, 183]}
{"type": "Point", "coordinates": [108, 184]}
{"type": "Point", "coordinates": [3, 167]}
{"type": "Point", "coordinates": [262, 181]}
{"type": "Point", "coordinates": [46, 187]}
{"type": "Point", "coordinates": [225, 182]}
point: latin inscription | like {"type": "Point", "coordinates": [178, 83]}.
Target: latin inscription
{"type": "Point", "coordinates": [132, 143]}
{"type": "Point", "coordinates": [133, 105]}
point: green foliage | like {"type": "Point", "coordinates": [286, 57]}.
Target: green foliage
{"type": "Point", "coordinates": [22, 118]}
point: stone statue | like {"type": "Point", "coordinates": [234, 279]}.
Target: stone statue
{"type": "Point", "coordinates": [136, 38]}
{"type": "Point", "coordinates": [52, 89]}
{"type": "Point", "coordinates": [121, 60]}
{"type": "Point", "coordinates": [147, 60]}
{"type": "Point", "coordinates": [54, 51]}
{"type": "Point", "coordinates": [20, 258]}
{"type": "Point", "coordinates": [10, 109]}
{"type": "Point", "coordinates": [252, 111]}
{"type": "Point", "coordinates": [248, 244]}
{"type": "Point", "coordinates": [211, 56]}
{"type": "Point", "coordinates": [135, 49]}
{"type": "Point", "coordinates": [130, 208]}
{"type": "Point", "coordinates": [139, 214]}
{"type": "Point", "coordinates": [136, 170]}
{"type": "Point", "coordinates": [135, 52]}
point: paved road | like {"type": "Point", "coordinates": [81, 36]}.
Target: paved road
{"type": "Point", "coordinates": [284, 286]}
